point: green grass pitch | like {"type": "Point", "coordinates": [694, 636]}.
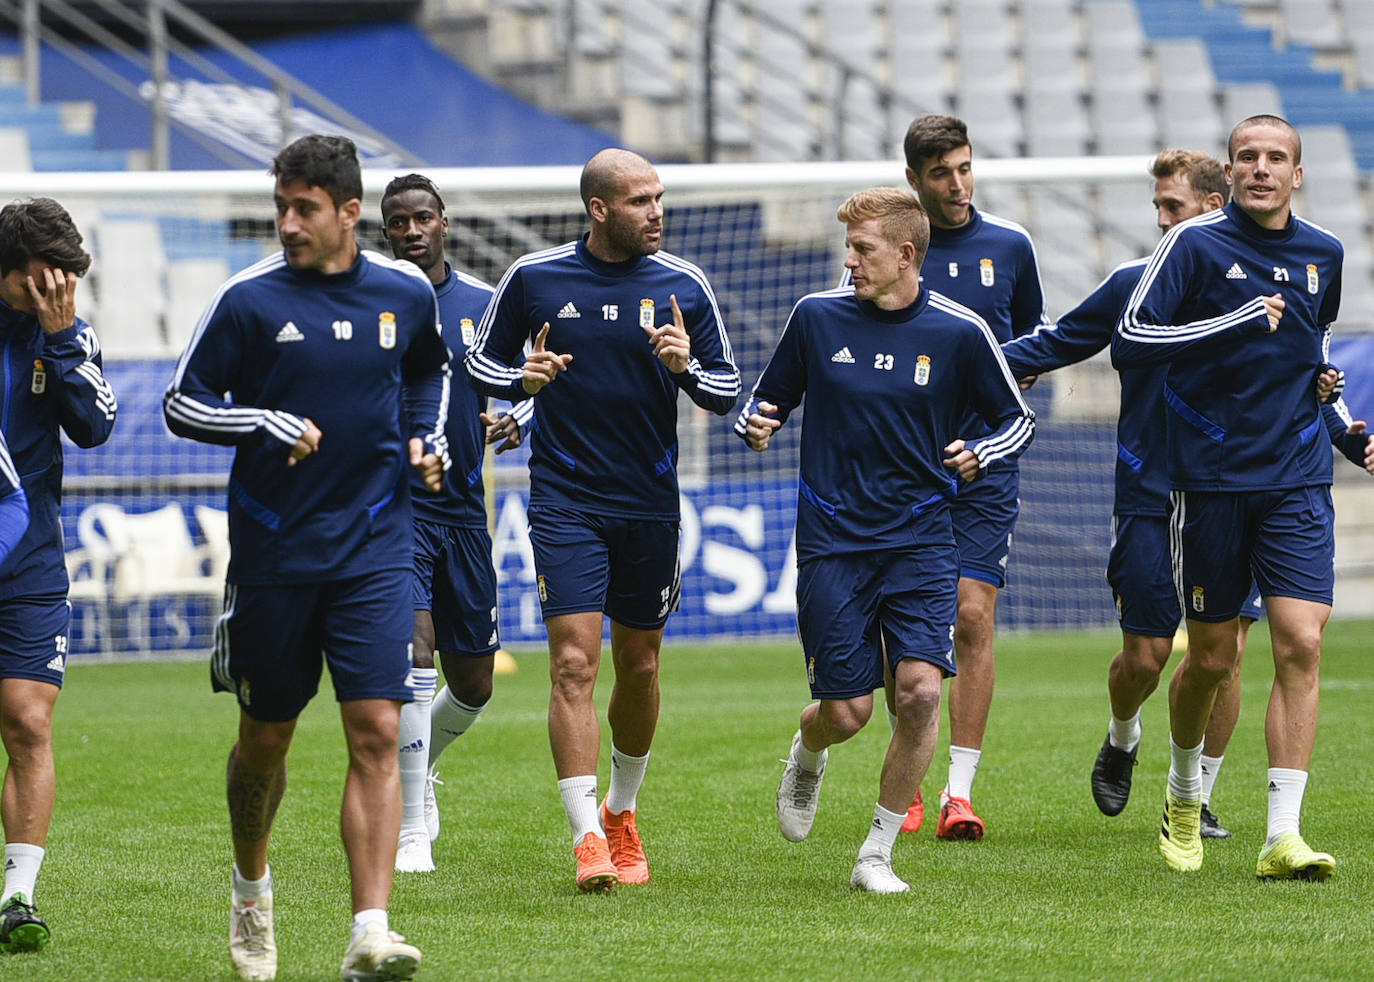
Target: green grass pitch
{"type": "Point", "coordinates": [135, 885]}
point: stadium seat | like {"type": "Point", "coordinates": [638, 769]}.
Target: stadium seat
{"type": "Point", "coordinates": [1310, 22]}
{"type": "Point", "coordinates": [1242, 99]}
{"type": "Point", "coordinates": [191, 283]}
{"type": "Point", "coordinates": [1183, 65]}
{"type": "Point", "coordinates": [1056, 124]}
{"type": "Point", "coordinates": [129, 270]}
{"type": "Point", "coordinates": [14, 149]}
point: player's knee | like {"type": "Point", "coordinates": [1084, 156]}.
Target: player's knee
{"type": "Point", "coordinates": [26, 729]}
{"type": "Point", "coordinates": [1144, 658]}
{"type": "Point", "coordinates": [472, 691]}
{"type": "Point", "coordinates": [919, 701]}
{"type": "Point", "coordinates": [573, 671]}
{"type": "Point", "coordinates": [845, 717]}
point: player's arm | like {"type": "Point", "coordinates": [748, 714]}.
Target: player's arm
{"type": "Point", "coordinates": [14, 504]}
{"type": "Point", "coordinates": [1028, 295]}
{"type": "Point", "coordinates": [779, 389]}
{"type": "Point", "coordinates": [425, 381]}
{"type": "Point", "coordinates": [696, 351]}
{"type": "Point", "coordinates": [86, 402]}
{"type": "Point", "coordinates": [1147, 334]}
{"type": "Point", "coordinates": [994, 395]}
{"type": "Point", "coordinates": [194, 405]}
{"type": "Point", "coordinates": [496, 361]}
{"type": "Point", "coordinates": [1077, 336]}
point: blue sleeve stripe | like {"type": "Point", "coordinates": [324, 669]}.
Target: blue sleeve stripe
{"type": "Point", "coordinates": [1128, 458]}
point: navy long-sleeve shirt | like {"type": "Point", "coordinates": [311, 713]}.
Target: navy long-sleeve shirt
{"type": "Point", "coordinates": [885, 393]}
{"type": "Point", "coordinates": [461, 501]}
{"type": "Point", "coordinates": [605, 433]}
{"type": "Point", "coordinates": [53, 384]}
{"type": "Point", "coordinates": [278, 346]}
{"type": "Point", "coordinates": [1242, 414]}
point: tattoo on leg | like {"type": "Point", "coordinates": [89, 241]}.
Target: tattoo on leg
{"type": "Point", "coordinates": [253, 799]}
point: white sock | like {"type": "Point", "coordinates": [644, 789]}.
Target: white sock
{"type": "Point", "coordinates": [1210, 767]}
{"type": "Point", "coordinates": [449, 719]}
{"type": "Point", "coordinates": [810, 760]}
{"type": "Point", "coordinates": [582, 806]}
{"type": "Point", "coordinates": [963, 767]}
{"type": "Point", "coordinates": [364, 919]}
{"type": "Point", "coordinates": [251, 889]}
{"type": "Point", "coordinates": [627, 774]}
{"type": "Point", "coordinates": [882, 834]}
{"type": "Point", "coordinates": [1185, 771]}
{"type": "Point", "coordinates": [1124, 734]}
{"type": "Point", "coordinates": [1286, 788]}
{"type": "Point", "coordinates": [22, 862]}
{"type": "Point", "coordinates": [414, 742]}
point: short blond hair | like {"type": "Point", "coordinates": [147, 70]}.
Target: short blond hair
{"type": "Point", "coordinates": [899, 213]}
{"type": "Point", "coordinates": [1202, 170]}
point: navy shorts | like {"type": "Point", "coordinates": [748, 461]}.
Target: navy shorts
{"type": "Point", "coordinates": [1141, 576]}
{"type": "Point", "coordinates": [454, 580]}
{"type": "Point", "coordinates": [272, 642]}
{"type": "Point", "coordinates": [984, 514]}
{"type": "Point", "coordinates": [627, 568]}
{"type": "Point", "coordinates": [1285, 538]}
{"type": "Point", "coordinates": [33, 638]}
{"type": "Point", "coordinates": [1253, 609]}
{"type": "Point", "coordinates": [910, 595]}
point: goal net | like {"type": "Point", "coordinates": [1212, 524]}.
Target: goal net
{"type": "Point", "coordinates": [144, 515]}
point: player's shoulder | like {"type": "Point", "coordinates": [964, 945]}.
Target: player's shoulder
{"type": "Point", "coordinates": [549, 258]}
{"type": "Point", "coordinates": [1318, 233]}
{"type": "Point", "coordinates": [1129, 271]}
{"type": "Point", "coordinates": [472, 283]}
{"type": "Point", "coordinates": [403, 270]}
{"type": "Point", "coordinates": [956, 314]}
{"type": "Point", "coordinates": [995, 226]}
{"type": "Point", "coordinates": [676, 264]}
{"type": "Point", "coordinates": [252, 282]}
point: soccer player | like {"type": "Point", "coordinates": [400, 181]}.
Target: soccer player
{"type": "Point", "coordinates": [1188, 183]}
{"type": "Point", "coordinates": [453, 588]}
{"type": "Point", "coordinates": [988, 264]}
{"type": "Point", "coordinates": [604, 508]}
{"type": "Point", "coordinates": [53, 384]}
{"type": "Point", "coordinates": [302, 362]}
{"type": "Point", "coordinates": [1239, 302]}
{"type": "Point", "coordinates": [888, 371]}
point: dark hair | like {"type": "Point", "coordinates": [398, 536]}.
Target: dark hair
{"type": "Point", "coordinates": [1202, 170]}
{"type": "Point", "coordinates": [40, 228]}
{"type": "Point", "coordinates": [412, 182]}
{"type": "Point", "coordinates": [1264, 119]}
{"type": "Point", "coordinates": [933, 136]}
{"type": "Point", "coordinates": [328, 162]}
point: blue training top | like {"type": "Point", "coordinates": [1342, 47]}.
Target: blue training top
{"type": "Point", "coordinates": [461, 502]}
{"type": "Point", "coordinates": [1242, 410]}
{"type": "Point", "coordinates": [53, 382]}
{"type": "Point", "coordinates": [605, 432]}
{"type": "Point", "coordinates": [885, 391]}
{"type": "Point", "coordinates": [279, 345]}
{"type": "Point", "coordinates": [988, 264]}
{"type": "Point", "coordinates": [1142, 475]}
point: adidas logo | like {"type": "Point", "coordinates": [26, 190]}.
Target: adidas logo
{"type": "Point", "coordinates": [56, 664]}
{"type": "Point", "coordinates": [843, 356]}
{"type": "Point", "coordinates": [1234, 273]}
{"type": "Point", "coordinates": [9, 865]}
{"type": "Point", "coordinates": [289, 332]}
{"type": "Point", "coordinates": [414, 747]}
{"type": "Point", "coordinates": [569, 310]}
{"type": "Point", "coordinates": [1273, 787]}
{"type": "Point", "coordinates": [492, 639]}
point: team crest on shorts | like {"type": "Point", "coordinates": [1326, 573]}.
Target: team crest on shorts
{"type": "Point", "coordinates": [922, 369]}
{"type": "Point", "coordinates": [469, 332]}
{"type": "Point", "coordinates": [245, 693]}
{"type": "Point", "coordinates": [386, 330]}
{"type": "Point", "coordinates": [646, 313]}
{"type": "Point", "coordinates": [543, 591]}
{"type": "Point", "coordinates": [985, 272]}
{"type": "Point", "coordinates": [1199, 599]}
{"type": "Point", "coordinates": [1313, 281]}
{"type": "Point", "coordinates": [39, 385]}
{"type": "Point", "coordinates": [811, 671]}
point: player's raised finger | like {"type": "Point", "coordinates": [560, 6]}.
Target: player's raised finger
{"type": "Point", "coordinates": [541, 337]}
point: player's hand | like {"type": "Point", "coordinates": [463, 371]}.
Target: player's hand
{"type": "Point", "coordinates": [1273, 306]}
{"type": "Point", "coordinates": [962, 460]}
{"type": "Point", "coordinates": [759, 427]}
{"type": "Point", "coordinates": [1025, 383]}
{"type": "Point", "coordinates": [543, 366]}
{"type": "Point", "coordinates": [1326, 384]}
{"type": "Point", "coordinates": [54, 303]}
{"type": "Point", "coordinates": [671, 344]}
{"type": "Point", "coordinates": [1355, 429]}
{"type": "Point", "coordinates": [429, 465]}
{"type": "Point", "coordinates": [504, 428]}
{"type": "Point", "coordinates": [306, 444]}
